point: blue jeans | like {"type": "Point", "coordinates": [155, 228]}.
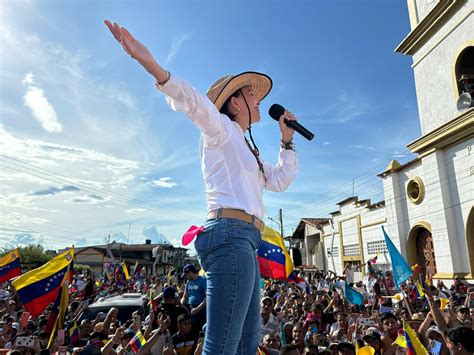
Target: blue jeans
{"type": "Point", "coordinates": [227, 252]}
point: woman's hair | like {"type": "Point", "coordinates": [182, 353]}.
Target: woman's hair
{"type": "Point", "coordinates": [226, 107]}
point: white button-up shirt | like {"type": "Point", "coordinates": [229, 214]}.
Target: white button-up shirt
{"type": "Point", "coordinates": [231, 173]}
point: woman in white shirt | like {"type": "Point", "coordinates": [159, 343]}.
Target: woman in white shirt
{"type": "Point", "coordinates": [235, 178]}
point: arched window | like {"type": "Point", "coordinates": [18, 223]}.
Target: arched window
{"type": "Point", "coordinates": [470, 239]}
{"type": "Point", "coordinates": [465, 71]}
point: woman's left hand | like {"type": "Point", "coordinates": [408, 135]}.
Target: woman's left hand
{"type": "Point", "coordinates": [286, 132]}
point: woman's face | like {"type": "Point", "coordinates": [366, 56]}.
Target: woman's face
{"type": "Point", "coordinates": [298, 335]}
{"type": "Point", "coordinates": [341, 321]}
{"type": "Point", "coordinates": [252, 103]}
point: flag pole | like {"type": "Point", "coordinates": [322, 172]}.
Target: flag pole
{"type": "Point", "coordinates": [407, 304]}
{"type": "Point", "coordinates": [52, 333]}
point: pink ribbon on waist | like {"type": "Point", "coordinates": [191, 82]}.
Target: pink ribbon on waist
{"type": "Point", "coordinates": [191, 233]}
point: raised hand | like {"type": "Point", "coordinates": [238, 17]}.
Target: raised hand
{"type": "Point", "coordinates": [137, 51]}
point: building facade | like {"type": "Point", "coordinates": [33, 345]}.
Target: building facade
{"type": "Point", "coordinates": [428, 202]}
{"type": "Point", "coordinates": [154, 259]}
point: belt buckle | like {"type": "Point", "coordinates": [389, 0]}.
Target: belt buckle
{"type": "Point", "coordinates": [254, 222]}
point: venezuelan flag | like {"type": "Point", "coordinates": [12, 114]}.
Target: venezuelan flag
{"type": "Point", "coordinates": [273, 258]}
{"type": "Point", "coordinates": [58, 312]}
{"type": "Point", "coordinates": [417, 291]}
{"type": "Point", "coordinates": [39, 287]}
{"type": "Point", "coordinates": [10, 265]}
{"type": "Point", "coordinates": [414, 345]}
{"type": "Point", "coordinates": [137, 342]}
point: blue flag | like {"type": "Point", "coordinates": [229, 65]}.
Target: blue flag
{"type": "Point", "coordinates": [401, 271]}
{"type": "Point", "coordinates": [352, 295]}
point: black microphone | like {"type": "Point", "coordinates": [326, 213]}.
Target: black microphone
{"type": "Point", "coordinates": [276, 111]}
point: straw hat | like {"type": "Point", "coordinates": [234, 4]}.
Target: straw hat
{"type": "Point", "coordinates": [224, 87]}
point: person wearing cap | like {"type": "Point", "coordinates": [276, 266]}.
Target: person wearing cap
{"type": "Point", "coordinates": [373, 337]}
{"type": "Point", "coordinates": [269, 321]}
{"type": "Point", "coordinates": [463, 314]}
{"type": "Point", "coordinates": [235, 178]}
{"type": "Point", "coordinates": [195, 297]}
{"type": "Point", "coordinates": [170, 306]}
{"type": "Point", "coordinates": [332, 347]}
{"type": "Point", "coordinates": [435, 341]}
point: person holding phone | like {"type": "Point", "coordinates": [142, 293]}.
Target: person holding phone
{"type": "Point", "coordinates": [235, 178]}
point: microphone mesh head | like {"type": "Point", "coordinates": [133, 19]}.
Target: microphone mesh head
{"type": "Point", "coordinates": [276, 111]}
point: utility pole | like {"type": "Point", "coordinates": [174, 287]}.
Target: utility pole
{"type": "Point", "coordinates": [281, 223]}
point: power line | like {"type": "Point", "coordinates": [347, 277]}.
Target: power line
{"type": "Point", "coordinates": [61, 179]}
{"type": "Point", "coordinates": [316, 208]}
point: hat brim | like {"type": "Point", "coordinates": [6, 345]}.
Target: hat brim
{"type": "Point", "coordinates": [260, 83]}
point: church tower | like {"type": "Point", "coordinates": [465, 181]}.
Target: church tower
{"type": "Point", "coordinates": [431, 198]}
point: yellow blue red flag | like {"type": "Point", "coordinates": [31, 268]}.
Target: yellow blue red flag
{"type": "Point", "coordinates": [10, 265]}
{"type": "Point", "coordinates": [414, 345]}
{"type": "Point", "coordinates": [137, 342]}
{"type": "Point", "coordinates": [39, 287]}
{"type": "Point", "coordinates": [273, 258]}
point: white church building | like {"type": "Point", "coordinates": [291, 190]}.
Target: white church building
{"type": "Point", "coordinates": [428, 202]}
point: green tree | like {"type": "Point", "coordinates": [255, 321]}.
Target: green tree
{"type": "Point", "coordinates": [33, 256]}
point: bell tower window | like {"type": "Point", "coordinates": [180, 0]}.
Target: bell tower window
{"type": "Point", "coordinates": [465, 71]}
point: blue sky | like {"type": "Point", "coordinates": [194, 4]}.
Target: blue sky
{"type": "Point", "coordinates": [89, 148]}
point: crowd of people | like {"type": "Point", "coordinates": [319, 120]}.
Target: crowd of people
{"type": "Point", "coordinates": [309, 316]}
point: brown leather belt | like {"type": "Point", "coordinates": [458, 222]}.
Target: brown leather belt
{"type": "Point", "coordinates": [237, 214]}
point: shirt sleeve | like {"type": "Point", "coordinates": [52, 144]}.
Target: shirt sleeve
{"type": "Point", "coordinates": [280, 176]}
{"type": "Point", "coordinates": [181, 96]}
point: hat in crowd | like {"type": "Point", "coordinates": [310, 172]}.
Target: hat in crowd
{"type": "Point", "coordinates": [267, 298]}
{"type": "Point", "coordinates": [463, 309]}
{"type": "Point", "coordinates": [372, 333]}
{"type": "Point", "coordinates": [187, 268]}
{"type": "Point", "coordinates": [335, 343]}
{"type": "Point", "coordinates": [98, 327]}
{"type": "Point", "coordinates": [16, 326]}
{"type": "Point", "coordinates": [223, 88]}
{"type": "Point", "coordinates": [432, 329]}
{"type": "Point", "coordinates": [345, 345]}
{"type": "Point", "coordinates": [418, 316]}
{"type": "Point", "coordinates": [4, 295]}
{"type": "Point", "coordinates": [169, 292]}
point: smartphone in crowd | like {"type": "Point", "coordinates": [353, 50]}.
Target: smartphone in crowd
{"type": "Point", "coordinates": [201, 337]}
{"type": "Point", "coordinates": [26, 342]}
{"type": "Point", "coordinates": [471, 303]}
{"type": "Point", "coordinates": [435, 347]}
{"type": "Point", "coordinates": [314, 329]}
{"type": "Point", "coordinates": [366, 321]}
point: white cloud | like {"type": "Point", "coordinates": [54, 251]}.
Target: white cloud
{"type": "Point", "coordinates": [176, 45]}
{"type": "Point", "coordinates": [358, 146]}
{"type": "Point", "coordinates": [397, 154]}
{"type": "Point", "coordinates": [164, 182]}
{"type": "Point", "coordinates": [135, 210]}
{"type": "Point", "coordinates": [326, 143]}
{"type": "Point", "coordinates": [38, 103]}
